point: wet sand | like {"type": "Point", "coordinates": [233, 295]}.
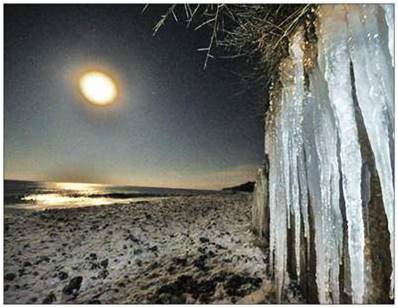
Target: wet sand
{"type": "Point", "coordinates": [191, 249]}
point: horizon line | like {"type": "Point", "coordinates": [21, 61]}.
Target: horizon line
{"type": "Point", "coordinates": [138, 186]}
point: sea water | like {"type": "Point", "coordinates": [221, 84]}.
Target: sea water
{"type": "Point", "coordinates": [40, 195]}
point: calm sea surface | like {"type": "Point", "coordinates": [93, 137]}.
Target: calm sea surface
{"type": "Point", "coordinates": [29, 194]}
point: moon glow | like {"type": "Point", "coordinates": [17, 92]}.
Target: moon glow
{"type": "Point", "coordinates": [98, 88]}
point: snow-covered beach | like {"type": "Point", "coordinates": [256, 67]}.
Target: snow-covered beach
{"type": "Point", "coordinates": [187, 249]}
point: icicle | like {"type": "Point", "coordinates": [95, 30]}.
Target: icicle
{"type": "Point", "coordinates": [335, 65]}
{"type": "Point", "coordinates": [374, 98]}
{"type": "Point", "coordinates": [278, 206]}
{"type": "Point", "coordinates": [303, 192]}
{"type": "Point", "coordinates": [271, 135]}
{"type": "Point", "coordinates": [329, 207]}
{"type": "Point", "coordinates": [259, 205]}
{"type": "Point", "coordinates": [284, 147]}
{"type": "Point", "coordinates": [312, 162]}
{"type": "Point", "coordinates": [296, 141]}
{"type": "Point", "coordinates": [376, 44]}
{"type": "Point", "coordinates": [287, 95]}
{"type": "Point", "coordinates": [313, 147]}
{"type": "Point", "coordinates": [389, 16]}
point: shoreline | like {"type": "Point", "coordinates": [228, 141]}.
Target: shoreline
{"type": "Point", "coordinates": [185, 249]}
{"type": "Point", "coordinates": [37, 207]}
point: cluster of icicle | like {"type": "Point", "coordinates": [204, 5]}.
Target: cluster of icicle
{"type": "Point", "coordinates": [312, 141]}
{"type": "Point", "coordinates": [258, 216]}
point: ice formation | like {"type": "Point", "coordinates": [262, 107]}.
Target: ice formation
{"type": "Point", "coordinates": [258, 209]}
{"type": "Point", "coordinates": [389, 16]}
{"type": "Point", "coordinates": [334, 62]}
{"type": "Point", "coordinates": [374, 83]}
{"type": "Point", "coordinates": [312, 142]}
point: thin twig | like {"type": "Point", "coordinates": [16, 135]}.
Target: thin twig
{"type": "Point", "coordinates": [163, 19]}
{"type": "Point", "coordinates": [213, 37]}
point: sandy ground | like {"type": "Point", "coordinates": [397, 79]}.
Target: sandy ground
{"type": "Point", "coordinates": [193, 249]}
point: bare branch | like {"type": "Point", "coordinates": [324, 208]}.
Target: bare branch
{"type": "Point", "coordinates": [145, 7]}
{"type": "Point", "coordinates": [256, 33]}
{"type": "Point", "coordinates": [205, 23]}
{"type": "Point", "coordinates": [163, 19]}
{"type": "Point", "coordinates": [213, 37]}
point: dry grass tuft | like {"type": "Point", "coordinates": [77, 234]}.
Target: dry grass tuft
{"type": "Point", "coordinates": [258, 33]}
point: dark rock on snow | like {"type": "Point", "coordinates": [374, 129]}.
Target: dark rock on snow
{"type": "Point", "coordinates": [203, 239]}
{"type": "Point", "coordinates": [62, 275]}
{"type": "Point", "coordinates": [104, 263]}
{"type": "Point", "coordinates": [50, 299]}
{"type": "Point", "coordinates": [74, 286]}
{"type": "Point", "coordinates": [9, 276]}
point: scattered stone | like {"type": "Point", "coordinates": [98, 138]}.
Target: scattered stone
{"type": "Point", "coordinates": [238, 285]}
{"type": "Point", "coordinates": [200, 262]}
{"type": "Point", "coordinates": [62, 275]}
{"type": "Point", "coordinates": [132, 238]}
{"type": "Point", "coordinates": [137, 251]}
{"type": "Point", "coordinates": [42, 259]}
{"type": "Point", "coordinates": [179, 261]}
{"type": "Point", "coordinates": [33, 300]}
{"type": "Point", "coordinates": [203, 239]}
{"type": "Point", "coordinates": [192, 258]}
{"type": "Point", "coordinates": [94, 266]}
{"type": "Point", "coordinates": [9, 276]}
{"type": "Point", "coordinates": [153, 266]}
{"type": "Point", "coordinates": [50, 298]}
{"type": "Point", "coordinates": [153, 248]}
{"type": "Point", "coordinates": [73, 287]}
{"type": "Point", "coordinates": [104, 263]}
{"type": "Point", "coordinates": [103, 274]}
{"type": "Point", "coordinates": [202, 250]}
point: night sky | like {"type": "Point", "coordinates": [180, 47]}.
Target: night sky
{"type": "Point", "coordinates": [174, 124]}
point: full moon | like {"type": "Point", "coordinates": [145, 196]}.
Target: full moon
{"type": "Point", "coordinates": [98, 88]}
